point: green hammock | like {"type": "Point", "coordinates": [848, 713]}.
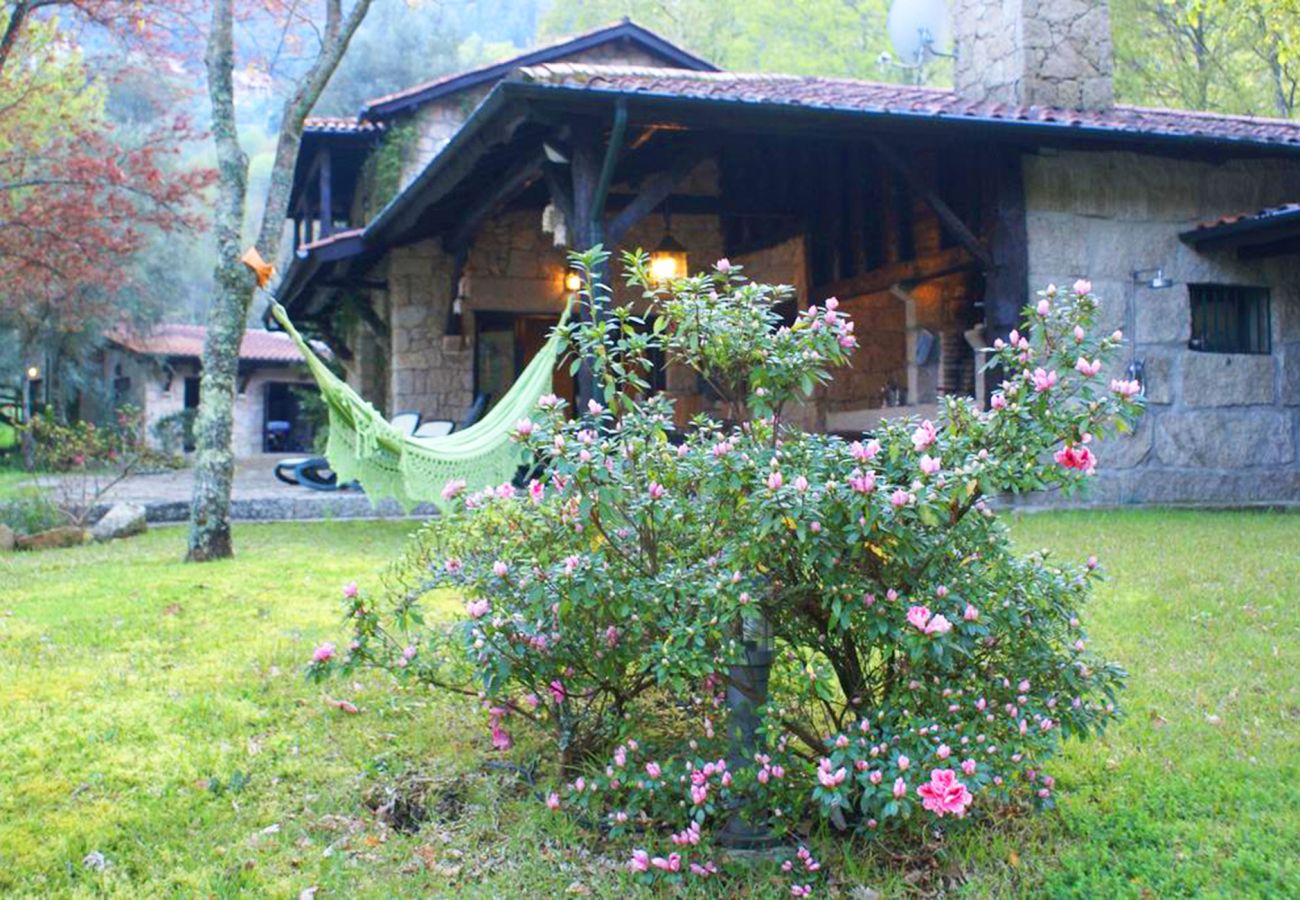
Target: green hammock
{"type": "Point", "coordinates": [364, 447]}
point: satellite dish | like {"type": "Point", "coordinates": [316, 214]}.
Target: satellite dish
{"type": "Point", "coordinates": [919, 29]}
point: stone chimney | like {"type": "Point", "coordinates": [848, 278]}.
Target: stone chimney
{"type": "Point", "coordinates": [1034, 52]}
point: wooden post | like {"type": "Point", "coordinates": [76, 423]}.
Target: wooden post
{"type": "Point", "coordinates": [326, 195]}
{"type": "Point", "coordinates": [1006, 284]}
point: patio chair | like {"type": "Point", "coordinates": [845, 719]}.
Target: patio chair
{"type": "Point", "coordinates": [438, 428]}
{"type": "Point", "coordinates": [314, 471]}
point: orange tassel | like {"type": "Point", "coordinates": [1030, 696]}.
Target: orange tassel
{"type": "Point", "coordinates": [261, 268]}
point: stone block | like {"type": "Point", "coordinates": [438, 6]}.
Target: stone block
{"type": "Point", "coordinates": [54, 539]}
{"type": "Point", "coordinates": [1291, 375]}
{"type": "Point", "coordinates": [1156, 486]}
{"type": "Point", "coordinates": [1159, 377]}
{"type": "Point", "coordinates": [1162, 316]}
{"type": "Point", "coordinates": [1124, 451]}
{"type": "Point", "coordinates": [1227, 379]}
{"type": "Point", "coordinates": [1209, 438]}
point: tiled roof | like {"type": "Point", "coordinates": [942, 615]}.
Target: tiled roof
{"type": "Point", "coordinates": [187, 340]}
{"type": "Point", "coordinates": [1268, 214]}
{"type": "Point", "coordinates": [847, 95]}
{"type": "Point", "coordinates": [574, 43]}
{"type": "Point", "coordinates": [339, 125]}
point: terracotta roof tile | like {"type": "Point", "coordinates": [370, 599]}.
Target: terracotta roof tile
{"type": "Point", "coordinates": [187, 340]}
{"type": "Point", "coordinates": [1271, 212]}
{"type": "Point", "coordinates": [865, 96]}
{"type": "Point", "coordinates": [339, 125]}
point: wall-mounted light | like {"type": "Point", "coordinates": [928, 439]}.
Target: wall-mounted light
{"type": "Point", "coordinates": [1158, 280]}
{"type": "Point", "coordinates": [33, 373]}
{"type": "Point", "coordinates": [572, 281]}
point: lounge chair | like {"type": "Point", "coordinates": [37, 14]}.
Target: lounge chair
{"type": "Point", "coordinates": [314, 471]}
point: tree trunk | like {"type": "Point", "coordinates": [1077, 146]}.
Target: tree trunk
{"type": "Point", "coordinates": [214, 466]}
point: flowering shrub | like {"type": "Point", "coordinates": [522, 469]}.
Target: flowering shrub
{"type": "Point", "coordinates": [924, 673]}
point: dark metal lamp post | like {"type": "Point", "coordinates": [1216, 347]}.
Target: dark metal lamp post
{"type": "Point", "coordinates": [746, 694]}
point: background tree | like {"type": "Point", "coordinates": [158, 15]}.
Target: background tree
{"type": "Point", "coordinates": [80, 197]}
{"type": "Point", "coordinates": [323, 31]}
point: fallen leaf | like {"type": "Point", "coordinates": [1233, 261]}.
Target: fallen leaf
{"type": "Point", "coordinates": [1014, 859]}
{"type": "Point", "coordinates": [578, 888]}
{"type": "Point", "coordinates": [1213, 719]}
{"type": "Point", "coordinates": [344, 705]}
{"type": "Point", "coordinates": [173, 609]}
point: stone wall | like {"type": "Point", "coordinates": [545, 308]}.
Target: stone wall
{"type": "Point", "coordinates": [1219, 428]}
{"type": "Point", "coordinates": [1034, 52]}
{"type": "Point", "coordinates": [429, 372]}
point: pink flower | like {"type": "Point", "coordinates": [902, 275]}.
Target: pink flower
{"type": "Point", "coordinates": [640, 861]}
{"type": "Point", "coordinates": [1083, 287]}
{"type": "Point", "coordinates": [938, 625]}
{"type": "Point", "coordinates": [524, 428]}
{"type": "Point", "coordinates": [452, 489]}
{"type": "Point", "coordinates": [723, 265]}
{"type": "Point", "coordinates": [594, 408]}
{"type": "Point", "coordinates": [557, 690]}
{"type": "Point", "coordinates": [549, 401]}
{"type": "Point", "coordinates": [501, 739]}
{"type": "Point", "coordinates": [1044, 307]}
{"type": "Point", "coordinates": [904, 763]}
{"type": "Point", "coordinates": [828, 778]}
{"type": "Point", "coordinates": [1076, 457]}
{"type": "Point", "coordinates": [800, 483]}
{"type": "Point", "coordinates": [900, 498]}
{"type": "Point", "coordinates": [832, 303]}
{"type": "Point", "coordinates": [672, 864]}
{"type": "Point", "coordinates": [1078, 334]}
{"type": "Point", "coordinates": [323, 653]}
{"type": "Point", "coordinates": [536, 491]}
{"type": "Point", "coordinates": [1087, 369]}
{"type": "Point", "coordinates": [477, 609]}
{"type": "Point", "coordinates": [945, 794]}
{"type": "Point", "coordinates": [704, 871]}
{"type": "Point", "coordinates": [499, 569]}
{"type": "Point", "coordinates": [943, 751]}
{"type": "Point", "coordinates": [863, 484]}
{"type": "Point", "coordinates": [968, 766]}
{"type": "Point", "coordinates": [611, 636]}
{"type": "Point", "coordinates": [652, 769]}
{"type": "Point", "coordinates": [350, 590]}
{"type": "Point", "coordinates": [657, 491]}
{"type": "Point", "coordinates": [918, 616]}
{"type": "Point", "coordinates": [998, 401]}
{"type": "Point", "coordinates": [876, 776]}
{"type": "Point", "coordinates": [970, 614]}
{"type": "Point", "coordinates": [1043, 380]}
{"type": "Point", "coordinates": [924, 436]}
{"type": "Point", "coordinates": [864, 453]}
{"type": "Point", "coordinates": [900, 788]}
{"type": "Point", "coordinates": [931, 464]}
{"type": "Point", "coordinates": [1126, 388]}
{"type": "Point", "coordinates": [774, 481]}
{"type": "Point", "coordinates": [801, 890]}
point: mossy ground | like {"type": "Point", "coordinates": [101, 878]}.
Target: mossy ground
{"type": "Point", "coordinates": [155, 713]}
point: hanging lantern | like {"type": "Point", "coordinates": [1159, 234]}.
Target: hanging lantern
{"type": "Point", "coordinates": [668, 261]}
{"type": "Point", "coordinates": [572, 282]}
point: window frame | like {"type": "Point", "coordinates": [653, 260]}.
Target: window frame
{"type": "Point", "coordinates": [1247, 302]}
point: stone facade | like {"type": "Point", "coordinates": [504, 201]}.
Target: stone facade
{"type": "Point", "coordinates": [1219, 428]}
{"type": "Point", "coordinates": [1034, 52]}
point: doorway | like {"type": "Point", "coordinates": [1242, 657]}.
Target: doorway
{"type": "Point", "coordinates": [504, 344]}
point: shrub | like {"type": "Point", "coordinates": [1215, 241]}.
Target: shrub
{"type": "Point", "coordinates": [923, 674]}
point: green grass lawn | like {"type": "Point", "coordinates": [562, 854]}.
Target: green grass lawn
{"type": "Point", "coordinates": [155, 713]}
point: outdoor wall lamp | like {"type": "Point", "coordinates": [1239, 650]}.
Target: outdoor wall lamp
{"type": "Point", "coordinates": [1158, 280]}
{"type": "Point", "coordinates": [572, 282]}
{"type": "Point", "coordinates": [33, 373]}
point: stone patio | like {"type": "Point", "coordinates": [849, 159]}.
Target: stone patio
{"type": "Point", "coordinates": [257, 496]}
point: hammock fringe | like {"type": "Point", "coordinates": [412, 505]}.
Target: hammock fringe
{"type": "Point", "coordinates": [365, 448]}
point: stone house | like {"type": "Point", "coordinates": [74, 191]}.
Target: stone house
{"type": "Point", "coordinates": [430, 231]}
{"type": "Point", "coordinates": [158, 373]}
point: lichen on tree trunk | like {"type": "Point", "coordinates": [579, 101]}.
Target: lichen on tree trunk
{"type": "Point", "coordinates": [214, 468]}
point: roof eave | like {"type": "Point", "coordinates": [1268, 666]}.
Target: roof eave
{"type": "Point", "coordinates": [1233, 234]}
{"type": "Point", "coordinates": [383, 109]}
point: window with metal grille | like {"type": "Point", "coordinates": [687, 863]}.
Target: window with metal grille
{"type": "Point", "coordinates": [1229, 318]}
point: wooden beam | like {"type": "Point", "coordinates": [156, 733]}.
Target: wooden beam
{"type": "Point", "coordinates": [922, 189]}
{"type": "Point", "coordinates": [913, 271]}
{"type": "Point", "coordinates": [516, 179]}
{"type": "Point", "coordinates": [656, 190]}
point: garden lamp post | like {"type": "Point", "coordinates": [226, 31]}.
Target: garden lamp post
{"type": "Point", "coordinates": [746, 694]}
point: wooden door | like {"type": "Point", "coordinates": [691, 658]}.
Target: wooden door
{"type": "Point", "coordinates": [531, 334]}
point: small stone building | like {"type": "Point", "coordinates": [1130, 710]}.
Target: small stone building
{"type": "Point", "coordinates": [159, 374]}
{"type": "Point", "coordinates": [431, 230]}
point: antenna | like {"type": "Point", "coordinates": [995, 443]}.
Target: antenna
{"type": "Point", "coordinates": [918, 30]}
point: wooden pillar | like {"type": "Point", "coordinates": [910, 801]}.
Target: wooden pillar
{"type": "Point", "coordinates": [1006, 282]}
{"type": "Point", "coordinates": [326, 195]}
